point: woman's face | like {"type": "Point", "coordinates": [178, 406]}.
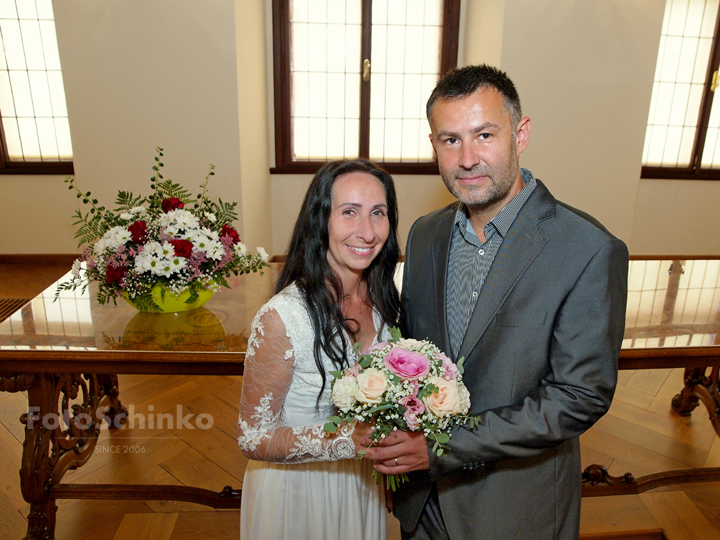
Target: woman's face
{"type": "Point", "coordinates": [358, 226]}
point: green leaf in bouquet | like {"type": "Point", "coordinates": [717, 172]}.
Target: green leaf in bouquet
{"type": "Point", "coordinates": [337, 374]}
{"type": "Point", "coordinates": [442, 438]}
{"type": "Point", "coordinates": [395, 333]}
{"type": "Point", "coordinates": [330, 427]}
{"type": "Point", "coordinates": [381, 407]}
{"type": "Point", "coordinates": [427, 390]}
{"type": "Point", "coordinates": [356, 347]}
{"type": "Point", "coordinates": [460, 366]}
{"type": "Point", "coordinates": [365, 361]}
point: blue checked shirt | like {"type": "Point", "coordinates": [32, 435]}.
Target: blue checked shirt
{"type": "Point", "coordinates": [470, 260]}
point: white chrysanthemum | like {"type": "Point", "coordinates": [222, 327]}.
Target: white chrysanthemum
{"type": "Point", "coordinates": [211, 217]}
{"type": "Point", "coordinates": [116, 237]}
{"type": "Point", "coordinates": [127, 216]}
{"type": "Point", "coordinates": [240, 249]}
{"type": "Point", "coordinates": [263, 254]}
{"type": "Point", "coordinates": [183, 219]}
{"type": "Point", "coordinates": [173, 230]}
{"type": "Point", "coordinates": [100, 246]}
{"type": "Point", "coordinates": [212, 235]}
{"type": "Point", "coordinates": [199, 240]}
{"type": "Point", "coordinates": [178, 263]}
{"type": "Point", "coordinates": [137, 210]}
{"type": "Point", "coordinates": [76, 267]}
{"type": "Point", "coordinates": [166, 250]}
{"type": "Point", "coordinates": [215, 250]}
{"type": "Point", "coordinates": [165, 268]}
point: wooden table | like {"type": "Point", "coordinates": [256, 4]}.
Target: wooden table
{"type": "Point", "coordinates": [673, 320]}
{"type": "Point", "coordinates": [67, 355]}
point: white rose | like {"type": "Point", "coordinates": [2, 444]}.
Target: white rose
{"type": "Point", "coordinates": [411, 344]}
{"type": "Point", "coordinates": [446, 401]}
{"type": "Point", "coordinates": [371, 386]}
{"type": "Point", "coordinates": [343, 393]}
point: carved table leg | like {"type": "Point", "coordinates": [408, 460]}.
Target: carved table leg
{"type": "Point", "coordinates": [62, 427]}
{"type": "Point", "coordinates": [685, 402]}
{"type": "Point", "coordinates": [698, 388]}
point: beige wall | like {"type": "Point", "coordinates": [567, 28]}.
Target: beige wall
{"type": "Point", "coordinates": [195, 78]}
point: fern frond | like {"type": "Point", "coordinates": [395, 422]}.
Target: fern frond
{"type": "Point", "coordinates": [126, 200]}
{"type": "Point", "coordinates": [169, 189]}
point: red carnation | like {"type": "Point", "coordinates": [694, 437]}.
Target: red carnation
{"type": "Point", "coordinates": [138, 230]}
{"type": "Point", "coordinates": [173, 203]}
{"type": "Point", "coordinates": [115, 274]}
{"type": "Point", "coordinates": [183, 248]}
{"type": "Point", "coordinates": [227, 230]}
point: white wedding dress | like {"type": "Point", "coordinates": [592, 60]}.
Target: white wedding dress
{"type": "Point", "coordinates": [299, 484]}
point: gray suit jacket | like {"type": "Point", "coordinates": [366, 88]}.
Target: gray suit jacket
{"type": "Point", "coordinates": [541, 354]}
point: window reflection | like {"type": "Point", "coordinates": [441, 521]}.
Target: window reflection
{"type": "Point", "coordinates": [51, 320]}
{"type": "Point", "coordinates": [672, 303]}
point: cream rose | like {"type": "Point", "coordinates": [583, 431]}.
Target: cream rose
{"type": "Point", "coordinates": [371, 386]}
{"type": "Point", "coordinates": [343, 393]}
{"type": "Point", "coordinates": [446, 401]}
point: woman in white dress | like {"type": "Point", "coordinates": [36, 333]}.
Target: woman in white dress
{"type": "Point", "coordinates": [335, 290]}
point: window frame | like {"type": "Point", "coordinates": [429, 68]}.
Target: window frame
{"type": "Point", "coordinates": [8, 166]}
{"type": "Point", "coordinates": [284, 163]}
{"type": "Point", "coordinates": [694, 170]}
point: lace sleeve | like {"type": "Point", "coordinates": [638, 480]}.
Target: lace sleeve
{"type": "Point", "coordinates": [267, 377]}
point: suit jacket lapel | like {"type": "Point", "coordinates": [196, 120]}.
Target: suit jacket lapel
{"type": "Point", "coordinates": [519, 248]}
{"type": "Point", "coordinates": [441, 254]}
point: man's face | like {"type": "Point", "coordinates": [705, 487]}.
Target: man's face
{"type": "Point", "coordinates": [476, 149]}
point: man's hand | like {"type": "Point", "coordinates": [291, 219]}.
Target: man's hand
{"type": "Point", "coordinates": [400, 452]}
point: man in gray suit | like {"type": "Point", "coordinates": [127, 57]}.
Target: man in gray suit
{"type": "Point", "coordinates": [532, 293]}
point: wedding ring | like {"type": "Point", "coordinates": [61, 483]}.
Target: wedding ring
{"type": "Point", "coordinates": [396, 463]}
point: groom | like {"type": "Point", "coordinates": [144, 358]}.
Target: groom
{"type": "Point", "coordinates": [531, 292]}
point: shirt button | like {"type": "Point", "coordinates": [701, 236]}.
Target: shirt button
{"type": "Point", "coordinates": [481, 251]}
{"type": "Point", "coordinates": [475, 294]}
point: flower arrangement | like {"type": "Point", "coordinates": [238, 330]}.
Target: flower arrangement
{"type": "Point", "coordinates": [403, 384]}
{"type": "Point", "coordinates": [158, 240]}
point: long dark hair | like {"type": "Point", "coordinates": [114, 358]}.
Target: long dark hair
{"type": "Point", "coordinates": [306, 264]}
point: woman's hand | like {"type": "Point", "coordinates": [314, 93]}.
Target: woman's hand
{"type": "Point", "coordinates": [361, 436]}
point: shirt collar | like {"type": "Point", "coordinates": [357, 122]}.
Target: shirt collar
{"type": "Point", "coordinates": [505, 218]}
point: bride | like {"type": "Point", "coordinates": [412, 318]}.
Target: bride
{"type": "Point", "coordinates": [335, 290]}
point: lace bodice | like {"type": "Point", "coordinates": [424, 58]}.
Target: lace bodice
{"type": "Point", "coordinates": [279, 421]}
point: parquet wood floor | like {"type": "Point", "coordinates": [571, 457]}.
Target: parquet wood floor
{"type": "Point", "coordinates": [640, 434]}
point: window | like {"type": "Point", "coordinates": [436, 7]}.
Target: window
{"type": "Point", "coordinates": [682, 138]}
{"type": "Point", "coordinates": [352, 78]}
{"type": "Point", "coordinates": [34, 132]}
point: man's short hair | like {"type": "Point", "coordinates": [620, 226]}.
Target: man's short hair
{"type": "Point", "coordinates": [462, 82]}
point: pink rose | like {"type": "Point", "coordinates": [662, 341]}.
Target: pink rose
{"type": "Point", "coordinates": [173, 203]}
{"type": "Point", "coordinates": [353, 371]}
{"type": "Point", "coordinates": [374, 347]}
{"type": "Point", "coordinates": [450, 369]}
{"type": "Point", "coordinates": [413, 408]}
{"type": "Point", "coordinates": [407, 364]}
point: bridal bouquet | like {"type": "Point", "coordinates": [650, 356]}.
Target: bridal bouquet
{"type": "Point", "coordinates": [169, 239]}
{"type": "Point", "coordinates": [403, 384]}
